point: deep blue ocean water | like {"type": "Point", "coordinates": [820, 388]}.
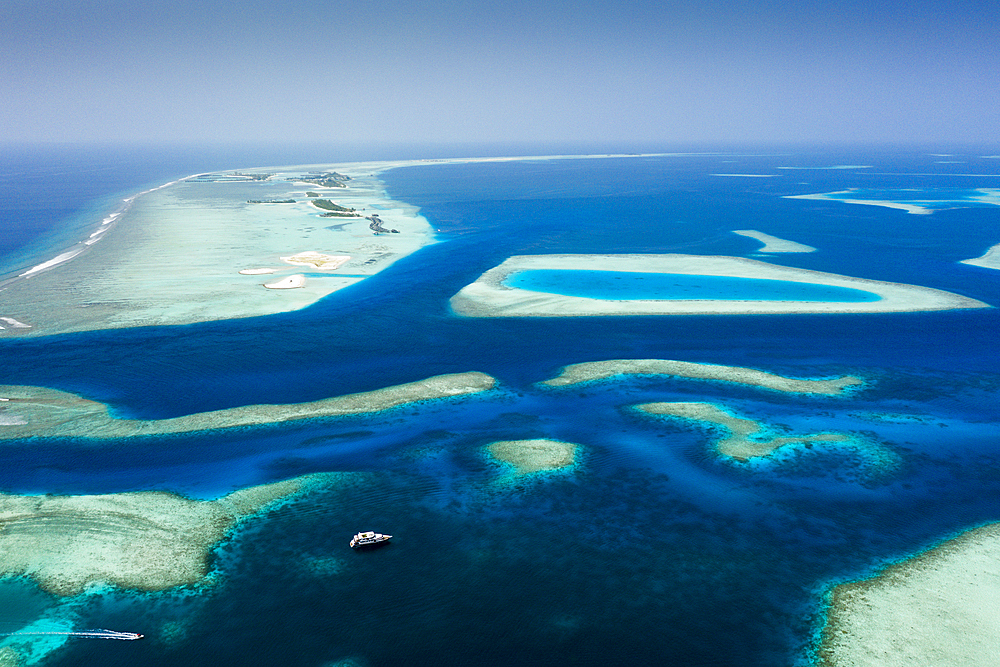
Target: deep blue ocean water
{"type": "Point", "coordinates": [653, 550]}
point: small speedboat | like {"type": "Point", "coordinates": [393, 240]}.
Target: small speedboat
{"type": "Point", "coordinates": [369, 539]}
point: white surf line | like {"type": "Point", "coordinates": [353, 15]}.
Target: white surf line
{"type": "Point", "coordinates": [96, 236]}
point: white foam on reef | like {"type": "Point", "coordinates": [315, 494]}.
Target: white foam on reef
{"type": "Point", "coordinates": [489, 297]}
{"type": "Point", "coordinates": [836, 166]}
{"type": "Point", "coordinates": [55, 261]}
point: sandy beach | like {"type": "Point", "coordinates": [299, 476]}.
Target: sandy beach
{"type": "Point", "coordinates": [146, 540]}
{"type": "Point", "coordinates": [489, 297]}
{"type": "Point", "coordinates": [938, 609]}
{"type": "Point", "coordinates": [600, 370]}
{"type": "Point", "coordinates": [27, 412]}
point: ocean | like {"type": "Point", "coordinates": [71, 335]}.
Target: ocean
{"type": "Point", "coordinates": [652, 549]}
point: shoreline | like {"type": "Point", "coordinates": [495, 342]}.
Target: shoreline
{"type": "Point", "coordinates": [487, 296]}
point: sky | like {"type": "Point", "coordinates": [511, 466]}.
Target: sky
{"type": "Point", "coordinates": [425, 71]}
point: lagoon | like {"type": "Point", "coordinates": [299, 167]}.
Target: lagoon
{"type": "Point", "coordinates": [631, 285]}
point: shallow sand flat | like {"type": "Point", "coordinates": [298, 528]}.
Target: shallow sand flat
{"type": "Point", "coordinates": [146, 540]}
{"type": "Point", "coordinates": [939, 609]}
{"type": "Point", "coordinates": [773, 243]}
{"type": "Point", "coordinates": [528, 456]}
{"type": "Point", "coordinates": [839, 196]}
{"type": "Point", "coordinates": [990, 260]}
{"type": "Point", "coordinates": [175, 256]}
{"type": "Point", "coordinates": [600, 370]}
{"type": "Point", "coordinates": [744, 441]}
{"type": "Point", "coordinates": [42, 412]}
{"type": "Point", "coordinates": [488, 297]}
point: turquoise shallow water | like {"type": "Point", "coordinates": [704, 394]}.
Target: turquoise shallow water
{"type": "Point", "coordinates": [653, 550]}
{"type": "Point", "coordinates": [625, 285]}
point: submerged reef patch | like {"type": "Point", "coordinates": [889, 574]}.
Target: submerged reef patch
{"type": "Point", "coordinates": [40, 412]}
{"type": "Point", "coordinates": [529, 456]}
{"type": "Point", "coordinates": [746, 438]}
{"type": "Point", "coordinates": [149, 540]}
{"type": "Point", "coordinates": [600, 370]}
{"type": "Point", "coordinates": [936, 609]}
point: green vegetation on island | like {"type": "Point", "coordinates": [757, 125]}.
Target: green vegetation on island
{"type": "Point", "coordinates": [328, 205]}
{"type": "Point", "coordinates": [326, 179]}
{"type": "Point", "coordinates": [252, 177]}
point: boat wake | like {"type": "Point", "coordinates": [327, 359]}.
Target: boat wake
{"type": "Point", "coordinates": [88, 634]}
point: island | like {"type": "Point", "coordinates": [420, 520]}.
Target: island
{"type": "Point", "coordinates": [327, 179]}
{"type": "Point", "coordinates": [208, 240]}
{"type": "Point", "coordinates": [39, 412]}
{"type": "Point", "coordinates": [147, 540]}
{"type": "Point", "coordinates": [334, 210]}
{"type": "Point", "coordinates": [489, 296]}
{"type": "Point", "coordinates": [591, 371]}
{"type": "Point", "coordinates": [937, 609]}
{"type": "Point", "coordinates": [531, 456]}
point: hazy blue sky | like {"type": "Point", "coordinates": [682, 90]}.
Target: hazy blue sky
{"type": "Point", "coordinates": [503, 70]}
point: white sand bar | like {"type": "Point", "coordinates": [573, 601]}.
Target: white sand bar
{"type": "Point", "coordinates": [42, 412]}
{"type": "Point", "coordinates": [939, 609]}
{"type": "Point", "coordinates": [146, 540]}
{"type": "Point", "coordinates": [844, 196]}
{"type": "Point", "coordinates": [599, 370]}
{"type": "Point", "coordinates": [990, 260]}
{"type": "Point", "coordinates": [773, 243]}
{"type": "Point", "coordinates": [291, 282]}
{"type": "Point", "coordinates": [745, 439]}
{"type": "Point", "coordinates": [489, 297]}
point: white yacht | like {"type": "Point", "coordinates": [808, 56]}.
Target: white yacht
{"type": "Point", "coordinates": [368, 539]}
